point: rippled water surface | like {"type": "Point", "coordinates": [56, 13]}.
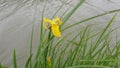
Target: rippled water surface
{"type": "Point", "coordinates": [16, 18]}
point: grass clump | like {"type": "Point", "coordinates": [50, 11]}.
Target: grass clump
{"type": "Point", "coordinates": [84, 49]}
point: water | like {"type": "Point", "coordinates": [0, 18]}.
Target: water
{"type": "Point", "coordinates": [15, 27]}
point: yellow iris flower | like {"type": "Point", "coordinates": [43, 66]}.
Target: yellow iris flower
{"type": "Point", "coordinates": [53, 25]}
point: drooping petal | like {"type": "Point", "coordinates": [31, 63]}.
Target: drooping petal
{"type": "Point", "coordinates": [45, 21]}
{"type": "Point", "coordinates": [55, 30]}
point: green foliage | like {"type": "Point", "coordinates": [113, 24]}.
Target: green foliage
{"type": "Point", "coordinates": [14, 59]}
{"type": "Point", "coordinates": [1, 66]}
{"type": "Point", "coordinates": [84, 49]}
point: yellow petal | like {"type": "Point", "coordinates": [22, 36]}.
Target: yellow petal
{"type": "Point", "coordinates": [55, 30]}
{"type": "Point", "coordinates": [45, 21]}
{"type": "Point", "coordinates": [58, 20]}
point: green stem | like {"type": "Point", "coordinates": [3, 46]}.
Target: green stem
{"type": "Point", "coordinates": [31, 42]}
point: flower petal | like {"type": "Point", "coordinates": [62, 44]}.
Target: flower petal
{"type": "Point", "coordinates": [57, 20]}
{"type": "Point", "coordinates": [55, 30]}
{"type": "Point", "coordinates": [46, 20]}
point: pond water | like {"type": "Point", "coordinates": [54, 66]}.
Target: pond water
{"type": "Point", "coordinates": [16, 23]}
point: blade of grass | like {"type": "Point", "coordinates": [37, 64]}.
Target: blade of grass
{"type": "Point", "coordinates": [79, 46]}
{"type": "Point", "coordinates": [14, 59]}
{"type": "Point", "coordinates": [72, 11]}
{"type": "Point", "coordinates": [28, 61]}
{"type": "Point", "coordinates": [104, 45]}
{"type": "Point", "coordinates": [87, 66]}
{"type": "Point", "coordinates": [41, 33]}
{"type": "Point", "coordinates": [69, 54]}
{"type": "Point", "coordinates": [90, 18]}
{"type": "Point", "coordinates": [102, 34]}
{"type": "Point", "coordinates": [31, 41]}
{"type": "Point", "coordinates": [85, 43]}
{"type": "Point", "coordinates": [58, 10]}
